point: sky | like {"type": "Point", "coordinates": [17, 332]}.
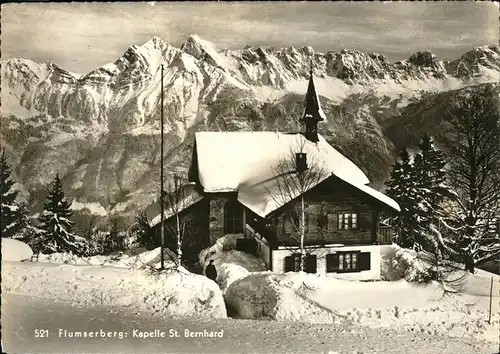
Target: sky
{"type": "Point", "coordinates": [83, 36]}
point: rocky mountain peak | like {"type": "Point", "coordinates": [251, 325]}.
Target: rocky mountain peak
{"type": "Point", "coordinates": [483, 60]}
{"type": "Point", "coordinates": [196, 46]}
{"type": "Point", "coordinates": [424, 58]}
{"type": "Point", "coordinates": [103, 127]}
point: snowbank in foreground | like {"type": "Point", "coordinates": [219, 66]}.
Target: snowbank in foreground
{"type": "Point", "coordinates": [228, 273]}
{"type": "Point", "coordinates": [148, 258]}
{"type": "Point", "coordinates": [15, 250]}
{"type": "Point", "coordinates": [173, 293]}
{"type": "Point", "coordinates": [323, 299]}
{"type": "Point", "coordinates": [280, 297]}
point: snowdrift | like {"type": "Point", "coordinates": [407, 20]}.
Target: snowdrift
{"type": "Point", "coordinates": [142, 260]}
{"type": "Point", "coordinates": [228, 273]}
{"type": "Point", "coordinates": [173, 292]}
{"type": "Point", "coordinates": [15, 250]}
{"type": "Point", "coordinates": [224, 244]}
{"type": "Point", "coordinates": [224, 251]}
{"type": "Point", "coordinates": [230, 263]}
{"type": "Point", "coordinates": [280, 297]}
{"type": "Point", "coordinates": [405, 304]}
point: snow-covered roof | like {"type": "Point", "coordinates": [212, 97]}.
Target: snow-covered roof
{"type": "Point", "coordinates": [228, 159]}
{"type": "Point", "coordinates": [189, 198]}
{"type": "Point", "coordinates": [245, 162]}
{"type": "Point", "coordinates": [376, 194]}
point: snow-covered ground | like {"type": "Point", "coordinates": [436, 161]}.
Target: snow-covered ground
{"type": "Point", "coordinates": [400, 304]}
{"type": "Point", "coordinates": [393, 309]}
{"type": "Point", "coordinates": [115, 281]}
{"type": "Point", "coordinates": [143, 260]}
{"type": "Point", "coordinates": [22, 315]}
{"type": "Point", "coordinates": [15, 250]}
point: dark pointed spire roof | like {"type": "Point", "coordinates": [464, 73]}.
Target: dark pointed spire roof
{"type": "Point", "coordinates": [313, 106]}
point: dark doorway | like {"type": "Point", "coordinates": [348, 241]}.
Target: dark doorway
{"type": "Point", "coordinates": [233, 218]}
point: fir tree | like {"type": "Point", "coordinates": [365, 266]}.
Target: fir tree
{"type": "Point", "coordinates": [430, 192]}
{"type": "Point", "coordinates": [420, 189]}
{"type": "Point", "coordinates": [56, 223]}
{"type": "Point", "coordinates": [143, 232]}
{"type": "Point", "coordinates": [401, 187]}
{"type": "Point", "coordinates": [13, 215]}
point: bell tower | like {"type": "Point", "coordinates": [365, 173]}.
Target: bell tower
{"type": "Point", "coordinates": [313, 114]}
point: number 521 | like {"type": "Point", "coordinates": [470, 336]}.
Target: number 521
{"type": "Point", "coordinates": [41, 333]}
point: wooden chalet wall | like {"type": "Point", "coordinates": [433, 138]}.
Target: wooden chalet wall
{"type": "Point", "coordinates": [323, 204]}
{"type": "Point", "coordinates": [197, 238]}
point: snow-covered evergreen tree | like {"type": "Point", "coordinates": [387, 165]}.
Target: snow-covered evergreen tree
{"type": "Point", "coordinates": [13, 215]}
{"type": "Point", "coordinates": [431, 190]}
{"type": "Point", "coordinates": [401, 187]}
{"type": "Point", "coordinates": [420, 188]}
{"type": "Point", "coordinates": [56, 224]}
{"type": "Point", "coordinates": [142, 232]}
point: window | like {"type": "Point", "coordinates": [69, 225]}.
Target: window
{"type": "Point", "coordinates": [233, 217]}
{"type": "Point", "coordinates": [347, 221]}
{"type": "Point", "coordinates": [343, 262]}
{"type": "Point", "coordinates": [348, 262]}
{"type": "Point", "coordinates": [292, 263]}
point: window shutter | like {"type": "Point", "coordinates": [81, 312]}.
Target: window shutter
{"type": "Point", "coordinates": [311, 263]}
{"type": "Point", "coordinates": [332, 262]}
{"type": "Point", "coordinates": [364, 261]}
{"type": "Point", "coordinates": [289, 264]}
{"type": "Point", "coordinates": [332, 222]}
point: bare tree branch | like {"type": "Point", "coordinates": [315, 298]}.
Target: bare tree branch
{"type": "Point", "coordinates": [474, 143]}
{"type": "Point", "coordinates": [178, 197]}
{"type": "Point", "coordinates": [292, 183]}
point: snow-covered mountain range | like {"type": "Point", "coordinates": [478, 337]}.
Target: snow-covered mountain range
{"type": "Point", "coordinates": [100, 130]}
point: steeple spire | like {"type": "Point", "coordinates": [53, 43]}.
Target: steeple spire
{"type": "Point", "coordinates": [313, 112]}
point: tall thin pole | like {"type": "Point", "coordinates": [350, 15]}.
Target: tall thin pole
{"type": "Point", "coordinates": [491, 300]}
{"type": "Point", "coordinates": [162, 204]}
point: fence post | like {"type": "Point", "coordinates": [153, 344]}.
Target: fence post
{"type": "Point", "coordinates": [491, 299]}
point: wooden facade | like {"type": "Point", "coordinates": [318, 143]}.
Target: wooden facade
{"type": "Point", "coordinates": [335, 213]}
{"type": "Point", "coordinates": [197, 236]}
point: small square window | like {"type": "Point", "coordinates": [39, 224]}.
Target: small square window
{"type": "Point", "coordinates": [347, 221]}
{"type": "Point", "coordinates": [348, 261]}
